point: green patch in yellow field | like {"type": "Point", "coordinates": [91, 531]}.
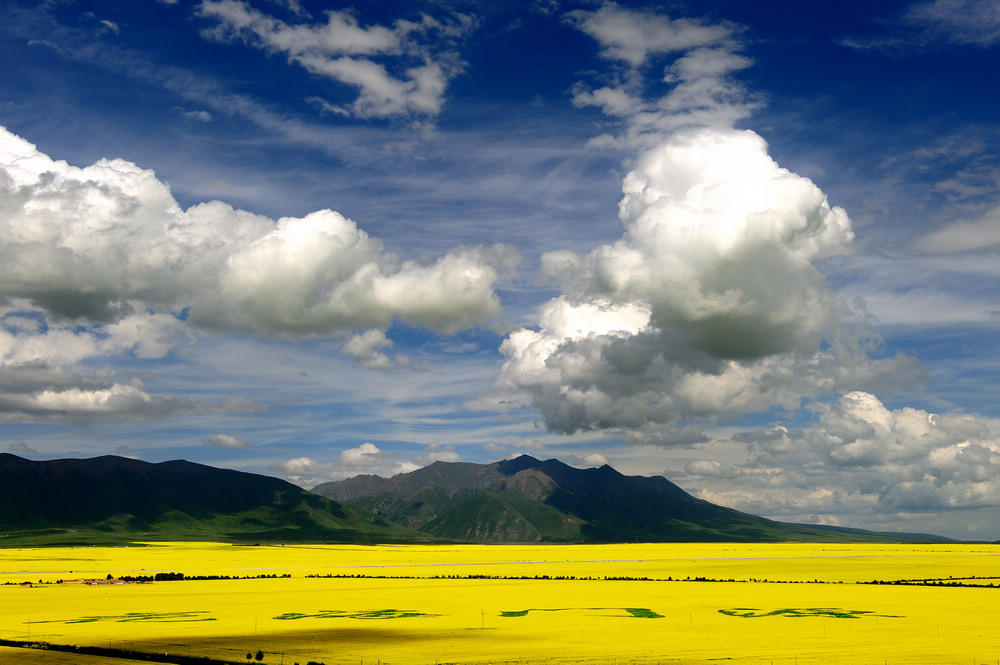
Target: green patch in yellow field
{"type": "Point", "coordinates": [798, 612]}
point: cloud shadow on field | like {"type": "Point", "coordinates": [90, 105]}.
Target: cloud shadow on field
{"type": "Point", "coordinates": [338, 643]}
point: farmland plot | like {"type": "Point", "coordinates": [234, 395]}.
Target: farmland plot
{"type": "Point", "coordinates": [534, 604]}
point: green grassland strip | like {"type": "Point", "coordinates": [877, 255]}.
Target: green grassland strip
{"type": "Point", "coordinates": [152, 617]}
{"type": "Point", "coordinates": [344, 614]}
{"type": "Point", "coordinates": [798, 612]}
{"type": "Point", "coordinates": [636, 612]}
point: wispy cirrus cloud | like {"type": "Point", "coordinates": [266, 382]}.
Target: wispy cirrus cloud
{"type": "Point", "coordinates": [970, 22]}
{"type": "Point", "coordinates": [978, 233]}
{"type": "Point", "coordinates": [934, 24]}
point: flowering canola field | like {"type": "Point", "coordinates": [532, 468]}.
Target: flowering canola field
{"type": "Point", "coordinates": [631, 603]}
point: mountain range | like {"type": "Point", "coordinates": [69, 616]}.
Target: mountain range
{"type": "Point", "coordinates": [529, 500]}
{"type": "Point", "coordinates": [117, 500]}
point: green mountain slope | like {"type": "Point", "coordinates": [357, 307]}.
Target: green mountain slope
{"type": "Point", "coordinates": [114, 499]}
{"type": "Point", "coordinates": [529, 500]}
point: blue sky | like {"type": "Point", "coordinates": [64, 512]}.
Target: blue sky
{"type": "Point", "coordinates": [749, 246]}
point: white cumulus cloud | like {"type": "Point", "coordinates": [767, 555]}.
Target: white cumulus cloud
{"type": "Point", "coordinates": [366, 349]}
{"type": "Point", "coordinates": [102, 261]}
{"type": "Point", "coordinates": [98, 242]}
{"type": "Point", "coordinates": [860, 459]}
{"type": "Point", "coordinates": [711, 303]}
{"type": "Point", "coordinates": [589, 460]}
{"type": "Point", "coordinates": [365, 459]}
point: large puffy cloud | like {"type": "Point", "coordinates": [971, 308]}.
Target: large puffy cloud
{"type": "Point", "coordinates": [101, 261]}
{"type": "Point", "coordinates": [860, 459]}
{"type": "Point", "coordinates": [343, 50]}
{"type": "Point", "coordinates": [82, 242]}
{"type": "Point", "coordinates": [321, 273]}
{"type": "Point", "coordinates": [711, 303]}
{"type": "Point", "coordinates": [100, 242]}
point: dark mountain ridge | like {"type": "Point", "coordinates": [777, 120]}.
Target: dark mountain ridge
{"type": "Point", "coordinates": [529, 500]}
{"type": "Point", "coordinates": [110, 500]}
{"type": "Point", "coordinates": [115, 498]}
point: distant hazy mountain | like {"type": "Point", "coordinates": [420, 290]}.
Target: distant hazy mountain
{"type": "Point", "coordinates": [114, 499]}
{"type": "Point", "coordinates": [528, 500]}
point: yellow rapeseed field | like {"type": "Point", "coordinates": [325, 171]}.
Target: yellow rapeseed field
{"type": "Point", "coordinates": [630, 603]}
